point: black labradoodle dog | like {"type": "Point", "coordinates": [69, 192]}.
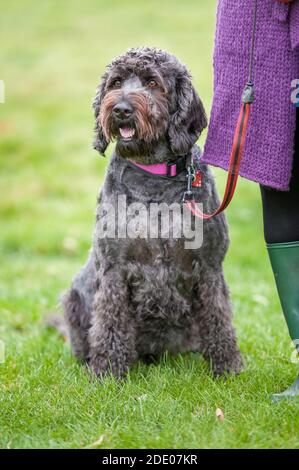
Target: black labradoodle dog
{"type": "Point", "coordinates": [138, 297]}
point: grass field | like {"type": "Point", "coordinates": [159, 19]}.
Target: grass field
{"type": "Point", "coordinates": [52, 53]}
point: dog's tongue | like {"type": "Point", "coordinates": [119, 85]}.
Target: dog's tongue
{"type": "Point", "coordinates": [126, 132]}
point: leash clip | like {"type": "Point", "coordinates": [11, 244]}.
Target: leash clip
{"type": "Point", "coordinates": [188, 195]}
{"type": "Point", "coordinates": [248, 93]}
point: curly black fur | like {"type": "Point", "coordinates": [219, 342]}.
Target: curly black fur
{"type": "Point", "coordinates": [140, 297]}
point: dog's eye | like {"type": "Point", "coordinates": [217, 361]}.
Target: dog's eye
{"type": "Point", "coordinates": [116, 83]}
{"type": "Point", "coordinates": [152, 83]}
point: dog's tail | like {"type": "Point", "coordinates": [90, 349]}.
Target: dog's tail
{"type": "Point", "coordinates": [56, 321]}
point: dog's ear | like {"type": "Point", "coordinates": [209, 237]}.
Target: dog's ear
{"type": "Point", "coordinates": [100, 142]}
{"type": "Point", "coordinates": [189, 119]}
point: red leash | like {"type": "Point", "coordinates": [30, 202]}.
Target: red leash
{"type": "Point", "coordinates": [234, 164]}
{"type": "Point", "coordinates": [238, 142]}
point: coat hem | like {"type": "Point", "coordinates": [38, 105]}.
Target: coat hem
{"type": "Point", "coordinates": [243, 174]}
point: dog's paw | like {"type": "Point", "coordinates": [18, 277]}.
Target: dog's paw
{"type": "Point", "coordinates": [234, 365]}
{"type": "Point", "coordinates": [103, 367]}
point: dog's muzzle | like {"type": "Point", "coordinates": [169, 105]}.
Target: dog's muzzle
{"type": "Point", "coordinates": [122, 112]}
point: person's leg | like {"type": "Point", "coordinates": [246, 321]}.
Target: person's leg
{"type": "Point", "coordinates": [281, 210]}
{"type": "Point", "coordinates": [281, 229]}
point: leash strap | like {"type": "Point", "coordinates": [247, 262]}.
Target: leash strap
{"type": "Point", "coordinates": [238, 142]}
{"type": "Point", "coordinates": [234, 167]}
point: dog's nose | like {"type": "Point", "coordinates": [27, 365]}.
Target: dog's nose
{"type": "Point", "coordinates": [122, 110]}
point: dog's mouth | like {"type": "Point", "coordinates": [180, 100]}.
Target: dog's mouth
{"type": "Point", "coordinates": [127, 133]}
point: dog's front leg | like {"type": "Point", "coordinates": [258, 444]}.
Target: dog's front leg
{"type": "Point", "coordinates": [112, 332]}
{"type": "Point", "coordinates": [217, 334]}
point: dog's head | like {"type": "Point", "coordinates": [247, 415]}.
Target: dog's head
{"type": "Point", "coordinates": [146, 97]}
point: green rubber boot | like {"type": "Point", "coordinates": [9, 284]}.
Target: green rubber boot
{"type": "Point", "coordinates": [284, 259]}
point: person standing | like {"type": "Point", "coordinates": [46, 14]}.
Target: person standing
{"type": "Point", "coordinates": [271, 154]}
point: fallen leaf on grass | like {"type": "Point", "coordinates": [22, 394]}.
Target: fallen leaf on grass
{"type": "Point", "coordinates": [219, 414]}
{"type": "Point", "coordinates": [99, 441]}
{"type": "Point", "coordinates": [142, 397]}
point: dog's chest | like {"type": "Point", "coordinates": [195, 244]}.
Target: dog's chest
{"type": "Point", "coordinates": [161, 286]}
{"type": "Point", "coordinates": [137, 232]}
{"type": "Point", "coordinates": [160, 280]}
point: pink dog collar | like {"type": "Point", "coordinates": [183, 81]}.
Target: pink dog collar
{"type": "Point", "coordinates": [168, 169]}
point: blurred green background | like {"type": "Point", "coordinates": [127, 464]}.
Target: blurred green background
{"type": "Point", "coordinates": [52, 55]}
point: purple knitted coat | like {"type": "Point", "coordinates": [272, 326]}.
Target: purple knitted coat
{"type": "Point", "coordinates": [269, 148]}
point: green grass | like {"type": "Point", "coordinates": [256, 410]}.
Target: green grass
{"type": "Point", "coordinates": [52, 53]}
